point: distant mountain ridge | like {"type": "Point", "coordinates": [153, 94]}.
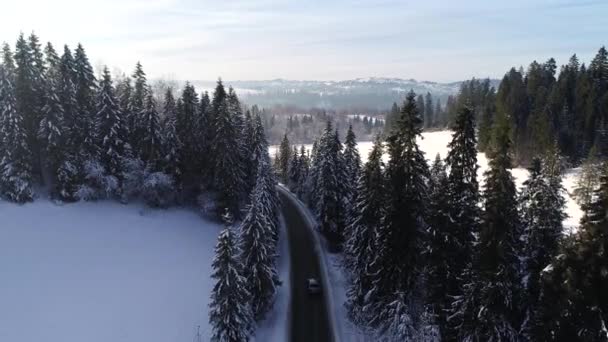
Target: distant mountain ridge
{"type": "Point", "coordinates": [372, 93]}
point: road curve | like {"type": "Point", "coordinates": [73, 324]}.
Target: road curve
{"type": "Point", "coordinates": [309, 321]}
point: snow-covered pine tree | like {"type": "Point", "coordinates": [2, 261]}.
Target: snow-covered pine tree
{"type": "Point", "coordinates": [86, 89]}
{"type": "Point", "coordinates": [151, 134]}
{"type": "Point", "coordinates": [259, 144]}
{"type": "Point", "coordinates": [7, 61]}
{"type": "Point", "coordinates": [171, 144]}
{"type": "Point", "coordinates": [230, 314]}
{"type": "Point", "coordinates": [69, 174]}
{"type": "Point", "coordinates": [462, 209]}
{"type": "Point", "coordinates": [487, 310]}
{"type": "Point", "coordinates": [186, 125]}
{"type": "Point", "coordinates": [39, 65]}
{"type": "Point", "coordinates": [438, 240]}
{"type": "Point", "coordinates": [248, 136]}
{"type": "Point", "coordinates": [138, 102]}
{"type": "Point", "coordinates": [28, 98]}
{"type": "Point", "coordinates": [52, 63]}
{"type": "Point", "coordinates": [15, 162]}
{"type": "Point", "coordinates": [124, 93]}
{"type": "Point", "coordinates": [51, 133]}
{"type": "Point", "coordinates": [228, 179]}
{"type": "Point", "coordinates": [67, 96]}
{"type": "Point", "coordinates": [541, 205]}
{"type": "Point", "coordinates": [361, 233]}
{"type": "Point", "coordinates": [40, 91]}
{"type": "Point", "coordinates": [140, 89]}
{"type": "Point", "coordinates": [304, 165]}
{"type": "Point", "coordinates": [576, 280]}
{"type": "Point", "coordinates": [310, 191]}
{"type": "Point", "coordinates": [352, 161]}
{"type": "Point", "coordinates": [331, 192]}
{"type": "Point", "coordinates": [282, 157]}
{"type": "Point", "coordinates": [269, 196]}
{"type": "Point", "coordinates": [258, 250]}
{"type": "Point", "coordinates": [238, 121]}
{"type": "Point", "coordinates": [203, 121]}
{"type": "Point", "coordinates": [293, 179]}
{"type": "Point", "coordinates": [399, 243]}
{"type": "Point", "coordinates": [110, 127]}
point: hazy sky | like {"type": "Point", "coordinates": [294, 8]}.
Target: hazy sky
{"type": "Point", "coordinates": [314, 39]}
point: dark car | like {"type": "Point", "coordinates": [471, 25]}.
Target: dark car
{"type": "Point", "coordinates": [313, 286]}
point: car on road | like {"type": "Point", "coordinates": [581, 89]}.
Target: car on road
{"type": "Point", "coordinates": [313, 286]}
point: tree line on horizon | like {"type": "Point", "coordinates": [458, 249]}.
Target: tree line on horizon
{"type": "Point", "coordinates": [430, 256]}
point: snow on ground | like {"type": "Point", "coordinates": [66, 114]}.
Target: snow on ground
{"type": "Point", "coordinates": [436, 142]}
{"type": "Point", "coordinates": [104, 271]}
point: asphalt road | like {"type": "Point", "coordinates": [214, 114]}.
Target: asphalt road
{"type": "Point", "coordinates": [309, 322]}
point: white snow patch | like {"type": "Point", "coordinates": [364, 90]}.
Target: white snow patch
{"type": "Point", "coordinates": [104, 271]}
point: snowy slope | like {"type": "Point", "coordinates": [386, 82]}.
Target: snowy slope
{"type": "Point", "coordinates": [100, 272]}
{"type": "Point", "coordinates": [436, 142]}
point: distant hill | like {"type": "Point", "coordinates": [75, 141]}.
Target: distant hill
{"type": "Point", "coordinates": [376, 94]}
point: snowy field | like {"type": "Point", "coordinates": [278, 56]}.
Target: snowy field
{"type": "Point", "coordinates": [100, 272]}
{"type": "Point", "coordinates": [436, 142]}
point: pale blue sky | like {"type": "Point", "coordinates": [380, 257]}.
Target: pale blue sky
{"type": "Point", "coordinates": [313, 39]}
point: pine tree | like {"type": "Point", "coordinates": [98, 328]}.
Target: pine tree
{"type": "Point", "coordinates": [428, 110]}
{"type": "Point", "coordinates": [352, 162]}
{"type": "Point", "coordinates": [151, 134]}
{"type": "Point", "coordinates": [7, 61]}
{"type": "Point", "coordinates": [85, 120]}
{"type": "Point", "coordinates": [15, 162]}
{"type": "Point", "coordinates": [283, 157]}
{"type": "Point", "coordinates": [438, 242]}
{"type": "Point", "coordinates": [258, 251]}
{"type": "Point", "coordinates": [124, 93]}
{"type": "Point", "coordinates": [399, 237]}
{"type": "Point", "coordinates": [52, 64]}
{"type": "Point", "coordinates": [51, 132]}
{"type": "Point", "coordinates": [230, 315]}
{"type": "Point", "coordinates": [574, 283]}
{"type": "Point", "coordinates": [67, 96]}
{"type": "Point", "coordinates": [248, 136]}
{"type": "Point", "coordinates": [228, 178]}
{"type": "Point", "coordinates": [110, 127]}
{"type": "Point", "coordinates": [186, 123]}
{"type": "Point", "coordinates": [28, 98]}
{"type": "Point", "coordinates": [362, 229]}
{"type": "Point", "coordinates": [259, 144]}
{"type": "Point", "coordinates": [293, 179]}
{"type": "Point", "coordinates": [238, 122]}
{"type": "Point", "coordinates": [205, 127]}
{"type": "Point", "coordinates": [304, 165]}
{"type": "Point", "coordinates": [171, 145]}
{"type": "Point", "coordinates": [487, 310]}
{"type": "Point", "coordinates": [462, 209]}
{"type": "Point", "coordinates": [331, 191]}
{"type": "Point", "coordinates": [541, 205]}
{"type": "Point", "coordinates": [138, 102]}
